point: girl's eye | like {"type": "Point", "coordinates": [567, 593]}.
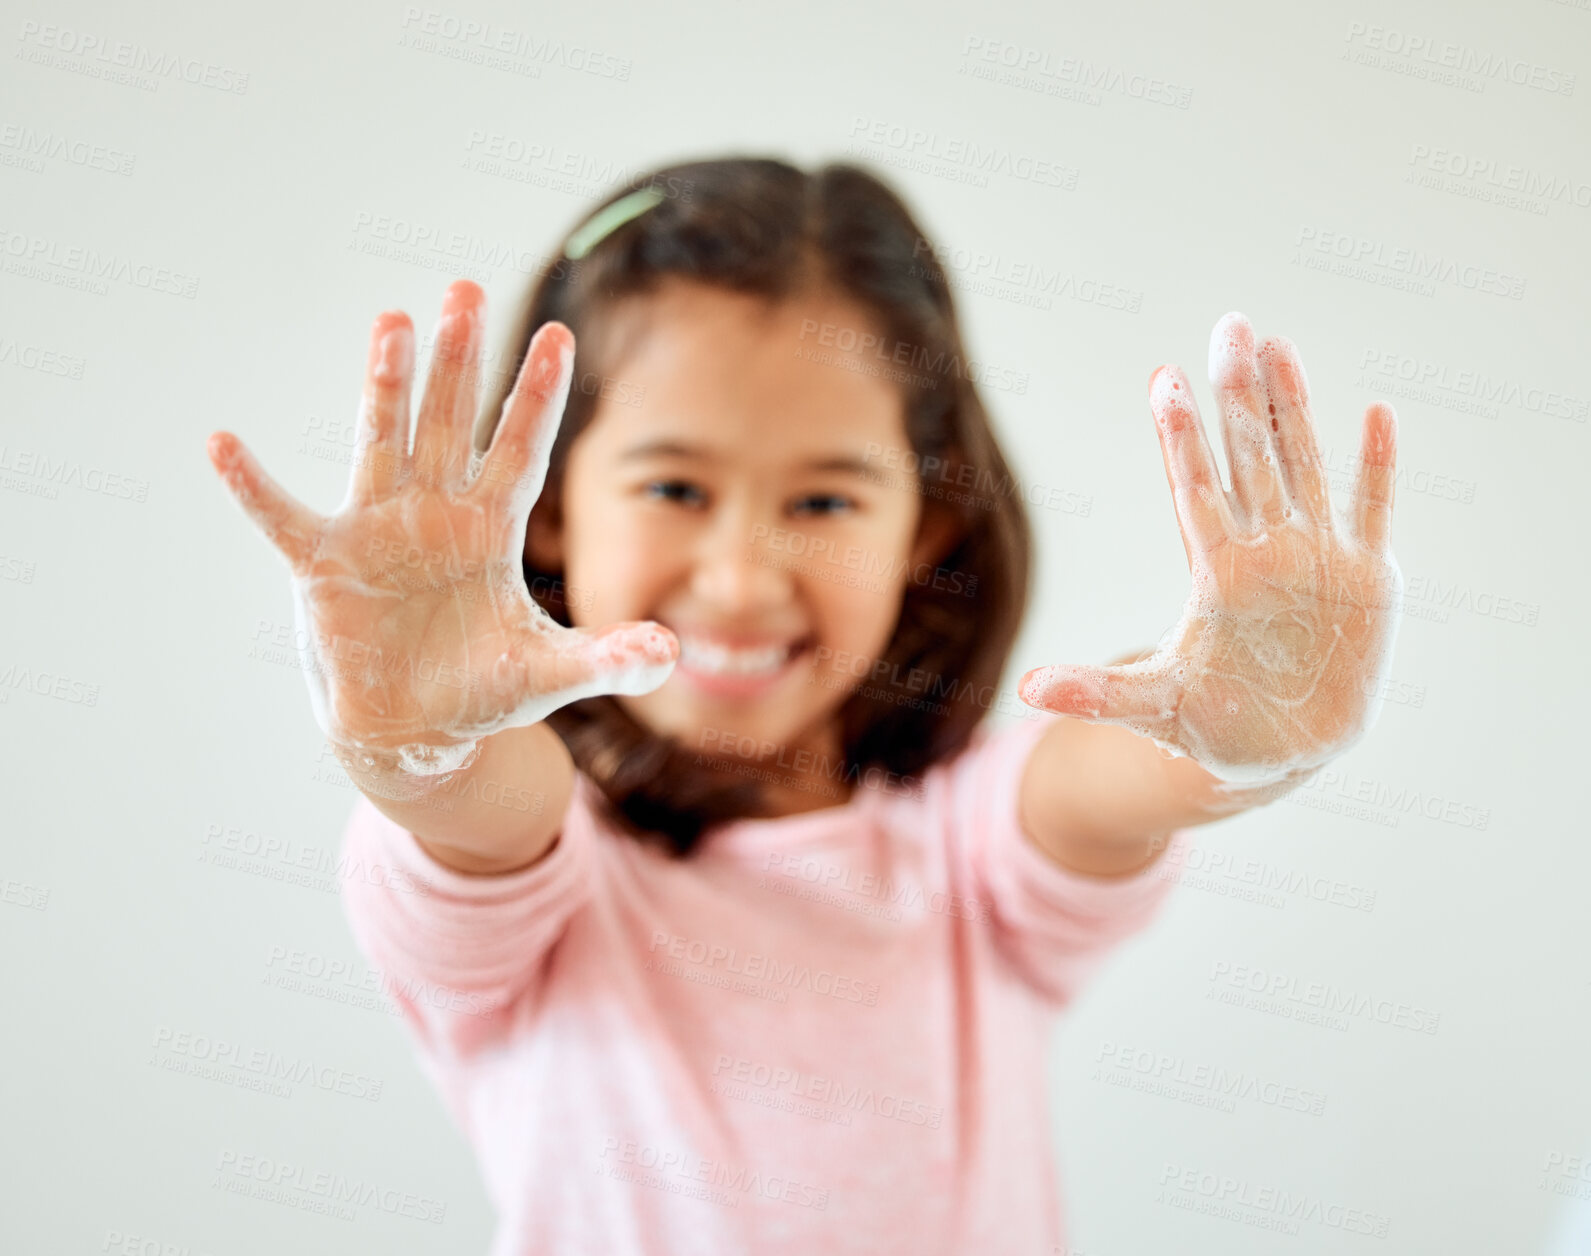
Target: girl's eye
{"type": "Point", "coordinates": [673, 490]}
{"type": "Point", "coordinates": [832, 502]}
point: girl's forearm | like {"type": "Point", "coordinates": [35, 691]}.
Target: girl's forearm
{"type": "Point", "coordinates": [1100, 799]}
{"type": "Point", "coordinates": [499, 813]}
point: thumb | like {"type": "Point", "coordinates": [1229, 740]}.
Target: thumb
{"type": "Point", "coordinates": [564, 665]}
{"type": "Point", "coordinates": [1142, 695]}
{"type": "Point", "coordinates": [630, 658]}
{"type": "Point", "coordinates": [287, 523]}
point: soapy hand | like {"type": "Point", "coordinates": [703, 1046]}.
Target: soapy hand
{"type": "Point", "coordinates": [1277, 663]}
{"type": "Point", "coordinates": [412, 606]}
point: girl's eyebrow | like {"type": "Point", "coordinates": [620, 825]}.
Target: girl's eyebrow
{"type": "Point", "coordinates": [847, 463]}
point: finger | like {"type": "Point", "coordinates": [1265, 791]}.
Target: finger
{"type": "Point", "coordinates": [1234, 374]}
{"type": "Point", "coordinates": [287, 523]}
{"type": "Point", "coordinates": [1200, 501]}
{"type": "Point", "coordinates": [1378, 453]}
{"type": "Point", "coordinates": [1292, 430]}
{"type": "Point", "coordinates": [516, 461]}
{"type": "Point", "coordinates": [442, 431]}
{"type": "Point", "coordinates": [1142, 696]}
{"type": "Point", "coordinates": [381, 447]}
{"type": "Point", "coordinates": [568, 664]}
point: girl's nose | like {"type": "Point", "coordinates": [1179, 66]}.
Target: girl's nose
{"type": "Point", "coordinates": [740, 569]}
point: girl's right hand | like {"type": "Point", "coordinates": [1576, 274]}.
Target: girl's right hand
{"type": "Point", "coordinates": [412, 596]}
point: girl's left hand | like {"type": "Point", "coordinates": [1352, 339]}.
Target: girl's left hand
{"type": "Point", "coordinates": [1277, 663]}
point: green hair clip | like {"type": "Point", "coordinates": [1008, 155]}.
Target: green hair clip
{"type": "Point", "coordinates": [607, 220]}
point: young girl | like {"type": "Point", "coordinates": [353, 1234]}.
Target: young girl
{"type": "Point", "coordinates": [721, 919]}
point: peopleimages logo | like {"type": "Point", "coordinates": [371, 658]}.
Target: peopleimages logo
{"type": "Point", "coordinates": [1267, 1206]}
{"type": "Point", "coordinates": [432, 30]}
{"type": "Point", "coordinates": [726, 743]}
{"type": "Point", "coordinates": [836, 879]}
{"type": "Point", "coordinates": [980, 160]}
{"type": "Point", "coordinates": [935, 472]}
{"type": "Point", "coordinates": [46, 361]}
{"type": "Point", "coordinates": [65, 472]}
{"type": "Point", "coordinates": [1566, 1175]}
{"type": "Point", "coordinates": [1071, 78]}
{"type": "Point", "coordinates": [1441, 54]}
{"type": "Point", "coordinates": [344, 981]}
{"type": "Point", "coordinates": [1415, 265]}
{"type": "Point", "coordinates": [118, 60]}
{"type": "Point", "coordinates": [1242, 985]}
{"type": "Point", "coordinates": [1441, 384]}
{"type": "Point", "coordinates": [1206, 868]}
{"type": "Point", "coordinates": [33, 148]}
{"type": "Point", "coordinates": [683, 1172]}
{"type": "Point", "coordinates": [282, 1181]}
{"type": "Point", "coordinates": [1207, 1085]}
{"type": "Point", "coordinates": [1502, 176]}
{"type": "Point", "coordinates": [41, 257]}
{"type": "Point", "coordinates": [941, 362]}
{"type": "Point", "coordinates": [866, 564]}
{"type": "Point", "coordinates": [827, 1090]}
{"type": "Point", "coordinates": [755, 966]}
{"type": "Point", "coordinates": [1014, 279]}
{"type": "Point", "coordinates": [254, 1067]}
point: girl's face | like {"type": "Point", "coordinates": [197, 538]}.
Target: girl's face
{"type": "Point", "coordinates": [741, 485]}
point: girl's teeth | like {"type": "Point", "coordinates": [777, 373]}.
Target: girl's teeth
{"type": "Point", "coordinates": [707, 657]}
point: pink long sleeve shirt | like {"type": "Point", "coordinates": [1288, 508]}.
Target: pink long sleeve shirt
{"type": "Point", "coordinates": [822, 1032]}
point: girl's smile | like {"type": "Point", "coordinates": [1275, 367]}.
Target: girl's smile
{"type": "Point", "coordinates": [735, 668]}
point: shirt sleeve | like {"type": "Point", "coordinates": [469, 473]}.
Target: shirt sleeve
{"type": "Point", "coordinates": [456, 952]}
{"type": "Point", "coordinates": [1053, 924]}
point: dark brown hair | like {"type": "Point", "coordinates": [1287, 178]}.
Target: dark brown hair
{"type": "Point", "coordinates": [762, 226]}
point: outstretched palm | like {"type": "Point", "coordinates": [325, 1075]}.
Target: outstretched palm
{"type": "Point", "coordinates": [422, 633]}
{"type": "Point", "coordinates": [1277, 661]}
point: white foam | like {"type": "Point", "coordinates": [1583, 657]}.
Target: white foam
{"type": "Point", "coordinates": [1264, 693]}
{"type": "Point", "coordinates": [395, 631]}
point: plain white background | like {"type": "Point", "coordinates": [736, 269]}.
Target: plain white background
{"type": "Point", "coordinates": [1220, 145]}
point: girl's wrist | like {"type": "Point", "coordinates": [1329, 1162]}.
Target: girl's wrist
{"type": "Point", "coordinates": [390, 772]}
{"type": "Point", "coordinates": [1212, 797]}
